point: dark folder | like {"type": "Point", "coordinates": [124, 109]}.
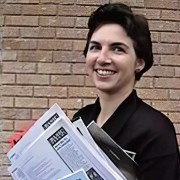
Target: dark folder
{"type": "Point", "coordinates": [118, 156]}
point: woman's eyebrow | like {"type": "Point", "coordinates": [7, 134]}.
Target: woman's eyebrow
{"type": "Point", "coordinates": [120, 44]}
{"type": "Point", "coordinates": [94, 42]}
{"type": "Point", "coordinates": [112, 44]}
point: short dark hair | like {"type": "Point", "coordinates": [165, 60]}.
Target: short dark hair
{"type": "Point", "coordinates": [136, 27]}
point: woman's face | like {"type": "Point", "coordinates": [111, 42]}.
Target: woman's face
{"type": "Point", "coordinates": [111, 61]}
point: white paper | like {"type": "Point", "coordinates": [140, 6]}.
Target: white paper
{"type": "Point", "coordinates": [77, 175]}
{"type": "Point", "coordinates": [53, 114]}
{"type": "Point", "coordinates": [58, 151]}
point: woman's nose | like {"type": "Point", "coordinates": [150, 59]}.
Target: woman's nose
{"type": "Point", "coordinates": [103, 57]}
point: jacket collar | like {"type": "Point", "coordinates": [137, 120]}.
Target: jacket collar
{"type": "Point", "coordinates": [118, 119]}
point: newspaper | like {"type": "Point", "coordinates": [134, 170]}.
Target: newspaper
{"type": "Point", "coordinates": [77, 175]}
{"type": "Point", "coordinates": [58, 149]}
{"type": "Point", "coordinates": [45, 121]}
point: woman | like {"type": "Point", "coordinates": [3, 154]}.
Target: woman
{"type": "Point", "coordinates": [118, 52]}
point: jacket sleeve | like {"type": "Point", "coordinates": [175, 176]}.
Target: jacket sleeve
{"type": "Point", "coordinates": [165, 168]}
{"type": "Point", "coordinates": [160, 156]}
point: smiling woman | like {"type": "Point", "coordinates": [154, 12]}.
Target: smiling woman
{"type": "Point", "coordinates": [118, 51]}
{"type": "Point", "coordinates": [111, 61]}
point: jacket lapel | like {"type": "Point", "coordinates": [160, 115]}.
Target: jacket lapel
{"type": "Point", "coordinates": [119, 118]}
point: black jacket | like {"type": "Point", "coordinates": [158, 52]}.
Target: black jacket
{"type": "Point", "coordinates": [138, 127]}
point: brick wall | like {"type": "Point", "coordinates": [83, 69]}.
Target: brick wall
{"type": "Point", "coordinates": [42, 63]}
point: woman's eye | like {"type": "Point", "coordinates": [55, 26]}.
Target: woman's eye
{"type": "Point", "coordinates": [94, 48]}
{"type": "Point", "coordinates": [118, 49]}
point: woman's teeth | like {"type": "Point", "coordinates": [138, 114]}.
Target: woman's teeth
{"type": "Point", "coordinates": [104, 72]}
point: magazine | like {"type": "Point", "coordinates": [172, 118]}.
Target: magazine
{"type": "Point", "coordinates": [55, 148]}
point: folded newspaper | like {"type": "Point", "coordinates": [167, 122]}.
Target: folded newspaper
{"type": "Point", "coordinates": [54, 148]}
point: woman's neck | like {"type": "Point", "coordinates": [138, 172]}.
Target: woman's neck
{"type": "Point", "coordinates": [109, 103]}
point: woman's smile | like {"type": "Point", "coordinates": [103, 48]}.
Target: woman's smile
{"type": "Point", "coordinates": [104, 72]}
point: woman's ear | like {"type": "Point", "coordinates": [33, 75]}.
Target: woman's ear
{"type": "Point", "coordinates": [140, 63]}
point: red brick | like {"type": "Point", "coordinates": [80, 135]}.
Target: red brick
{"type": "Point", "coordinates": [173, 83]}
{"type": "Point", "coordinates": [81, 22]}
{"type": "Point", "coordinates": [23, 125]}
{"type": "Point", "coordinates": [67, 103]}
{"type": "Point", "coordinates": [163, 25]}
{"type": "Point", "coordinates": [7, 101]}
{"type": "Point", "coordinates": [170, 37]}
{"type": "Point", "coordinates": [79, 69]}
{"type": "Point", "coordinates": [56, 21]}
{"type": "Point", "coordinates": [67, 80]}
{"type": "Point", "coordinates": [150, 94]}
{"type": "Point", "coordinates": [160, 71]}
{"type": "Point", "coordinates": [148, 13]}
{"type": "Point", "coordinates": [10, 32]}
{"type": "Point", "coordinates": [28, 79]}
{"type": "Point", "coordinates": [156, 59]}
{"type": "Point", "coordinates": [174, 94]}
{"type": "Point", "coordinates": [167, 106]}
{"type": "Point", "coordinates": [5, 136]}
{"type": "Point", "coordinates": [75, 10]}
{"type": "Point", "coordinates": [67, 10]}
{"type": "Point", "coordinates": [7, 125]}
{"type": "Point", "coordinates": [55, 44]}
{"type": "Point", "coordinates": [37, 113]}
{"type": "Point", "coordinates": [167, 4]}
{"type": "Point", "coordinates": [82, 92]}
{"type": "Point", "coordinates": [145, 82]}
{"type": "Point", "coordinates": [78, 45]}
{"type": "Point", "coordinates": [19, 67]}
{"type": "Point", "coordinates": [4, 159]}
{"type": "Point", "coordinates": [88, 101]}
{"type": "Point", "coordinates": [7, 177]}
{"type": "Point", "coordinates": [88, 82]}
{"type": "Point", "coordinates": [34, 56]}
{"type": "Point", "coordinates": [9, 55]}
{"type": "Point", "coordinates": [37, 32]}
{"type": "Point", "coordinates": [39, 9]}
{"type": "Point", "coordinates": [21, 20]}
{"type": "Point", "coordinates": [17, 90]}
{"type": "Point", "coordinates": [4, 148]}
{"type": "Point", "coordinates": [177, 71]}
{"type": "Point", "coordinates": [7, 79]}
{"type": "Point", "coordinates": [23, 1]}
{"type": "Point", "coordinates": [165, 48]}
{"type": "Point", "coordinates": [177, 128]}
{"type": "Point", "coordinates": [170, 15]}
{"type": "Point", "coordinates": [172, 60]}
{"type": "Point", "coordinates": [137, 3]}
{"type": "Point", "coordinates": [55, 68]}
{"type": "Point", "coordinates": [70, 113]}
{"type": "Point", "coordinates": [71, 33]}
{"type": "Point", "coordinates": [91, 2]}
{"type": "Point", "coordinates": [178, 139]}
{"type": "Point", "coordinates": [11, 9]}
{"type": "Point", "coordinates": [154, 36]}
{"type": "Point", "coordinates": [31, 102]}
{"type": "Point", "coordinates": [174, 116]}
{"type": "Point", "coordinates": [17, 44]}
{"type": "Point", "coordinates": [85, 10]}
{"type": "Point", "coordinates": [14, 114]}
{"type": "Point", "coordinates": [70, 2]}
{"type": "Point", "coordinates": [4, 170]}
{"type": "Point", "coordinates": [1, 20]}
{"type": "Point", "coordinates": [68, 56]}
{"type": "Point", "coordinates": [50, 91]}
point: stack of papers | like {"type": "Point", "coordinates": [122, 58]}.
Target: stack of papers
{"type": "Point", "coordinates": [54, 148]}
